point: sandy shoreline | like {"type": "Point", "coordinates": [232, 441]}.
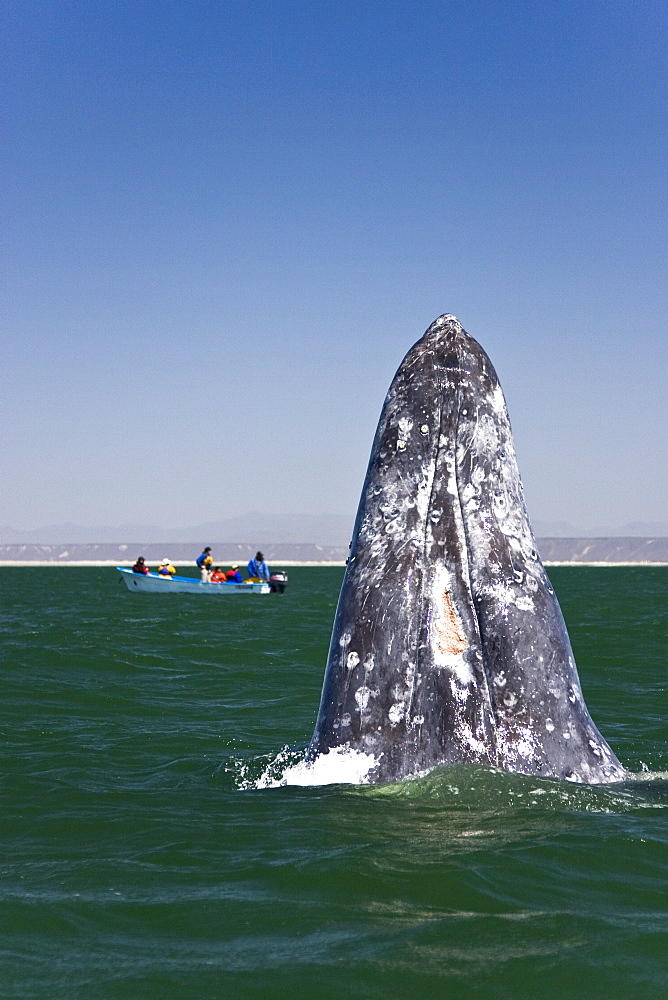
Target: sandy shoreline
{"type": "Point", "coordinates": [280, 563]}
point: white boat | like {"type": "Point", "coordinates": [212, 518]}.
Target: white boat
{"type": "Point", "coordinates": [156, 584]}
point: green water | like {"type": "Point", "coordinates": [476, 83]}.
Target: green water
{"type": "Point", "coordinates": [134, 865]}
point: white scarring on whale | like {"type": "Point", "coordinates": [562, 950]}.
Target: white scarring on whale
{"type": "Point", "coordinates": [449, 645]}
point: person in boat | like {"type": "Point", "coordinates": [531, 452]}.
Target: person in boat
{"type": "Point", "coordinates": [140, 566]}
{"type": "Point", "coordinates": [218, 576]}
{"type": "Point", "coordinates": [166, 569]}
{"type": "Point", "coordinates": [205, 562]}
{"type": "Point", "coordinates": [257, 568]}
{"type": "Point", "coordinates": [233, 575]}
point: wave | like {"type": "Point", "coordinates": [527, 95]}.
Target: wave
{"type": "Point", "coordinates": [471, 783]}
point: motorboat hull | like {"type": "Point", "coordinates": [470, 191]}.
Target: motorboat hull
{"type": "Point", "coordinates": [154, 584]}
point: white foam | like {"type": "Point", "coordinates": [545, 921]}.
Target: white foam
{"type": "Point", "coordinates": [341, 766]}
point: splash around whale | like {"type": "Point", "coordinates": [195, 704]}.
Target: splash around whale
{"type": "Point", "coordinates": [449, 645]}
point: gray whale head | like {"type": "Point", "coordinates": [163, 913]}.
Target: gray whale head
{"type": "Point", "coordinates": [449, 645]}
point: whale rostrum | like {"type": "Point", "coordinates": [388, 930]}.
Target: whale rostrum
{"type": "Point", "coordinates": [449, 645]}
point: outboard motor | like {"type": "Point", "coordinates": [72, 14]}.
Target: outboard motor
{"type": "Point", "coordinates": [278, 582]}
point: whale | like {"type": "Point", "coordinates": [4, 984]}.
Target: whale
{"type": "Point", "coordinates": [448, 644]}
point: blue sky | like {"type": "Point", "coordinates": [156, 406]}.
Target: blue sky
{"type": "Point", "coordinates": [226, 222]}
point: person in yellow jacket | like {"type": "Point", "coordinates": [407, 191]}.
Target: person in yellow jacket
{"type": "Point", "coordinates": [166, 569]}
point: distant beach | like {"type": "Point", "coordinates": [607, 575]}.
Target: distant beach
{"type": "Point", "coordinates": [129, 562]}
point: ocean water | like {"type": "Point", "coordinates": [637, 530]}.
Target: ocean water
{"type": "Point", "coordinates": [140, 859]}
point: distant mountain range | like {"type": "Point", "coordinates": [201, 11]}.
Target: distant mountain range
{"type": "Point", "coordinates": [562, 550]}
{"type": "Point", "coordinates": [633, 529]}
{"type": "Point", "coordinates": [260, 529]}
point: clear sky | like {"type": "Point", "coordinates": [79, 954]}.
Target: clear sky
{"type": "Point", "coordinates": [224, 223]}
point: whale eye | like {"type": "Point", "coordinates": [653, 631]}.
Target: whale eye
{"type": "Point", "coordinates": [401, 446]}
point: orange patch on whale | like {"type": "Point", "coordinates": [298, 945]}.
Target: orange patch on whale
{"type": "Point", "coordinates": [450, 638]}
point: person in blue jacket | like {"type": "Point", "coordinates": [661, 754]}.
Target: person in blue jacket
{"type": "Point", "coordinates": [258, 568]}
{"type": "Point", "coordinates": [205, 562]}
{"type": "Point", "coordinates": [233, 575]}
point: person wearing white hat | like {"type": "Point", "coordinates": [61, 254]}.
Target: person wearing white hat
{"type": "Point", "coordinates": [166, 569]}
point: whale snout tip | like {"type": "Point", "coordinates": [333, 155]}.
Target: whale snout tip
{"type": "Point", "coordinates": [447, 319]}
{"type": "Point", "coordinates": [446, 334]}
{"type": "Point", "coordinates": [446, 328]}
